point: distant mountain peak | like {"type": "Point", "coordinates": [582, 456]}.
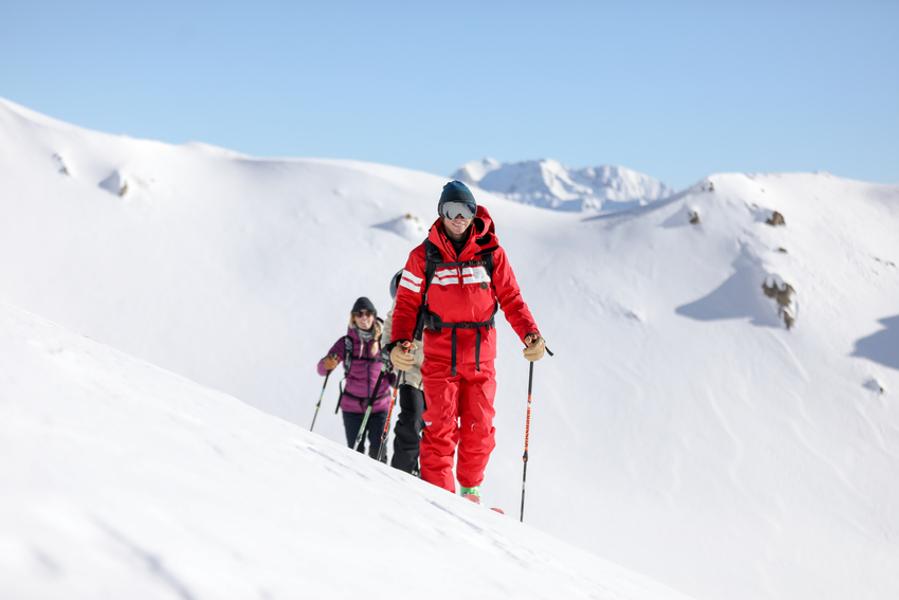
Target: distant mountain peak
{"type": "Point", "coordinates": [547, 183]}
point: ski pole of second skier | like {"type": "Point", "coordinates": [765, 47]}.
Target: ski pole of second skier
{"type": "Point", "coordinates": [382, 449]}
{"type": "Point", "coordinates": [363, 426]}
{"type": "Point", "coordinates": [339, 397]}
{"type": "Point", "coordinates": [319, 403]}
{"type": "Point", "coordinates": [371, 401]}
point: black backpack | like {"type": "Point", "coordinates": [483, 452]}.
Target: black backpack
{"type": "Point", "coordinates": [431, 320]}
{"type": "Point", "coordinates": [348, 352]}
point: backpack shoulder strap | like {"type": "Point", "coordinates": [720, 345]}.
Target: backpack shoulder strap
{"type": "Point", "coordinates": [347, 354]}
{"type": "Point", "coordinates": [432, 259]}
{"type": "Point", "coordinates": [487, 257]}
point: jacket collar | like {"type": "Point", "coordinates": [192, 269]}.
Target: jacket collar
{"type": "Point", "coordinates": [482, 236]}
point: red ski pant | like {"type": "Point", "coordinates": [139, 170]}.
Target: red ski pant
{"type": "Point", "coordinates": [458, 412]}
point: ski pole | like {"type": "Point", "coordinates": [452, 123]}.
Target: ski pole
{"type": "Point", "coordinates": [382, 449]}
{"type": "Point", "coordinates": [361, 433]}
{"type": "Point", "coordinates": [319, 403]}
{"type": "Point", "coordinates": [368, 411]}
{"type": "Point", "coordinates": [527, 435]}
{"type": "Point", "coordinates": [339, 397]}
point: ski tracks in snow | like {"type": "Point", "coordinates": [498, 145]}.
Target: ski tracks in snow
{"type": "Point", "coordinates": [147, 560]}
{"type": "Point", "coordinates": [492, 536]}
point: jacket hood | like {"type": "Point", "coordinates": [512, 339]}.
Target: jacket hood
{"type": "Point", "coordinates": [483, 235]}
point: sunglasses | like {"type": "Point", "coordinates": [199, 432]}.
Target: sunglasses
{"type": "Point", "coordinates": [454, 210]}
{"type": "Point", "coordinates": [363, 313]}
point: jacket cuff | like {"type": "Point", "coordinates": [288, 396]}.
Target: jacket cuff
{"type": "Point", "coordinates": [389, 347]}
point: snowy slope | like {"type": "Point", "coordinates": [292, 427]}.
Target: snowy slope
{"type": "Point", "coordinates": [132, 482]}
{"type": "Point", "coordinates": [549, 184]}
{"type": "Point", "coordinates": [681, 430]}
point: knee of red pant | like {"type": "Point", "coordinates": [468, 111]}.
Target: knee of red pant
{"type": "Point", "coordinates": [477, 431]}
{"type": "Point", "coordinates": [480, 446]}
{"type": "Point", "coordinates": [441, 424]}
{"type": "Point", "coordinates": [441, 443]}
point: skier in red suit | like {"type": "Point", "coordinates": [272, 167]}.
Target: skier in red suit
{"type": "Point", "coordinates": [451, 287]}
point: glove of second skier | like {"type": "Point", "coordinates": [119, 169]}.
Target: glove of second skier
{"type": "Point", "coordinates": [330, 362]}
{"type": "Point", "coordinates": [403, 356]}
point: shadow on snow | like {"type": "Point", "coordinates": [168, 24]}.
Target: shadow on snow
{"type": "Point", "coordinates": [739, 297]}
{"type": "Point", "coordinates": [881, 347]}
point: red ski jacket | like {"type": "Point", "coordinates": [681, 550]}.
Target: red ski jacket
{"type": "Point", "coordinates": [462, 295]}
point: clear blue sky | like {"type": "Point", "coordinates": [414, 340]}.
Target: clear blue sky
{"type": "Point", "coordinates": [678, 90]}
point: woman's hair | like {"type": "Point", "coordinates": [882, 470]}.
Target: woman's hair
{"type": "Point", "coordinates": [376, 331]}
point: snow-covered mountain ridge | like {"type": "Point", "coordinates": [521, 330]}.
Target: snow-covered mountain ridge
{"type": "Point", "coordinates": [681, 430]}
{"type": "Point", "coordinates": [549, 184]}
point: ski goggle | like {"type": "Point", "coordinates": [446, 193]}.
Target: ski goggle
{"type": "Point", "coordinates": [452, 210]}
{"type": "Point", "coordinates": [363, 313]}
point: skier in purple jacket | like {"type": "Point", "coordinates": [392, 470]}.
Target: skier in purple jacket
{"type": "Point", "coordinates": [360, 351]}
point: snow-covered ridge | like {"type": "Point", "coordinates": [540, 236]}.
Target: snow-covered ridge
{"type": "Point", "coordinates": [549, 184]}
{"type": "Point", "coordinates": [132, 482]}
{"type": "Point", "coordinates": [681, 430]}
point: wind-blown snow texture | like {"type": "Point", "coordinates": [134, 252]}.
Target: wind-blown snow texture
{"type": "Point", "coordinates": [132, 482]}
{"type": "Point", "coordinates": [681, 431]}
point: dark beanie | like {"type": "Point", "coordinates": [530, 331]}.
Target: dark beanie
{"type": "Point", "coordinates": [364, 303]}
{"type": "Point", "coordinates": [395, 283]}
{"type": "Point", "coordinates": [456, 191]}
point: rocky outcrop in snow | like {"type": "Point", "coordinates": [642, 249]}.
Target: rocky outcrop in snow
{"type": "Point", "coordinates": [782, 293]}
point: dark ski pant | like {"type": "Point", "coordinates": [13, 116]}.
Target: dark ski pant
{"type": "Point", "coordinates": [374, 429]}
{"type": "Point", "coordinates": [407, 432]}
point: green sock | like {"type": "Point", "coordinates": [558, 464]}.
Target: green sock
{"type": "Point", "coordinates": [471, 491]}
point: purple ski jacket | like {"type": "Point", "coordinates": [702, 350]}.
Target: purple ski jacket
{"type": "Point", "coordinates": [365, 367]}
